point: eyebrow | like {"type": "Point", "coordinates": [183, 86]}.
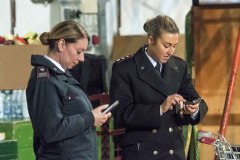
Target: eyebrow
{"type": "Point", "coordinates": [170, 43]}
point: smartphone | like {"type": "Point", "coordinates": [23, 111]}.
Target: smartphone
{"type": "Point", "coordinates": [109, 108]}
{"type": "Point", "coordinates": [196, 101]}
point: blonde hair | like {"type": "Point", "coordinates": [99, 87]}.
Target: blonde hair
{"type": "Point", "coordinates": [70, 31]}
{"type": "Point", "coordinates": [156, 26]}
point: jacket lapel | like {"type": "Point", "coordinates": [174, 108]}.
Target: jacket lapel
{"type": "Point", "coordinates": [147, 73]}
{"type": "Point", "coordinates": [172, 75]}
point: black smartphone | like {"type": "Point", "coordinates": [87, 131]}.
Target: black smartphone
{"type": "Point", "coordinates": [196, 101]}
{"type": "Point", "coordinates": [109, 108]}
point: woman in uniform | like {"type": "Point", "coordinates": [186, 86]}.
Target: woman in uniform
{"type": "Point", "coordinates": [62, 116]}
{"type": "Point", "coordinates": [152, 87]}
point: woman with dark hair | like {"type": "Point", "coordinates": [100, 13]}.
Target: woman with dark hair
{"type": "Point", "coordinates": [61, 114]}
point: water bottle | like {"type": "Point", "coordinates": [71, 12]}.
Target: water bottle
{"type": "Point", "coordinates": [24, 104]}
{"type": "Point", "coordinates": [1, 105]}
{"type": "Point", "coordinates": [7, 106]}
{"type": "Point", "coordinates": [19, 113]}
{"type": "Point", "coordinates": [14, 104]}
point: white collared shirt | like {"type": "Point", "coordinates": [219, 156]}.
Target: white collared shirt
{"type": "Point", "coordinates": [154, 62]}
{"type": "Point", "coordinates": [55, 63]}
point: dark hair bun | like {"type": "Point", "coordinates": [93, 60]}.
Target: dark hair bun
{"type": "Point", "coordinates": [44, 37]}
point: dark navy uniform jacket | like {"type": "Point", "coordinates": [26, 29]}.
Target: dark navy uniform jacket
{"type": "Point", "coordinates": [60, 113]}
{"type": "Point", "coordinates": [141, 91]}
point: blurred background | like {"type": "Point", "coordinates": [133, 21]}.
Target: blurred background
{"type": "Point", "coordinates": [208, 40]}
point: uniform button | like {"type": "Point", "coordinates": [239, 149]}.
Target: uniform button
{"type": "Point", "coordinates": [170, 129]}
{"type": "Point", "coordinates": [155, 153]}
{"type": "Point", "coordinates": [154, 131]}
{"type": "Point", "coordinates": [171, 151]}
{"type": "Point", "coordinates": [69, 98]}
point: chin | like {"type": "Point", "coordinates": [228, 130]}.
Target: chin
{"type": "Point", "coordinates": [73, 65]}
{"type": "Point", "coordinates": [70, 67]}
{"type": "Point", "coordinates": [165, 61]}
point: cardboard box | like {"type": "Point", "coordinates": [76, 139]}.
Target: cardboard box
{"type": "Point", "coordinates": [15, 65]}
{"type": "Point", "coordinates": [126, 45]}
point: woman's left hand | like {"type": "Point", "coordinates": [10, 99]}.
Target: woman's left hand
{"type": "Point", "coordinates": [99, 116]}
{"type": "Point", "coordinates": [189, 108]}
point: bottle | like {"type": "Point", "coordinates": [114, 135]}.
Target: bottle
{"type": "Point", "coordinates": [7, 106]}
{"type": "Point", "coordinates": [14, 104]}
{"type": "Point", "coordinates": [1, 105]}
{"type": "Point", "coordinates": [24, 104]}
{"type": "Point", "coordinates": [19, 109]}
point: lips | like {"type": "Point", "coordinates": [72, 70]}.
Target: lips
{"type": "Point", "coordinates": [75, 63]}
{"type": "Point", "coordinates": [166, 58]}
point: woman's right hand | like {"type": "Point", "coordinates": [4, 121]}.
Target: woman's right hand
{"type": "Point", "coordinates": [100, 117]}
{"type": "Point", "coordinates": [171, 101]}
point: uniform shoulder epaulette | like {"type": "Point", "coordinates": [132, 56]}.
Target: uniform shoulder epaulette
{"type": "Point", "coordinates": [179, 58]}
{"type": "Point", "coordinates": [124, 58]}
{"type": "Point", "coordinates": [42, 72]}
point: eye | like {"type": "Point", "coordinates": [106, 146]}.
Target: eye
{"type": "Point", "coordinates": [166, 46]}
{"type": "Point", "coordinates": [79, 52]}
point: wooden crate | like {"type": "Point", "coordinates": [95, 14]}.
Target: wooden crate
{"type": "Point", "coordinates": [215, 31]}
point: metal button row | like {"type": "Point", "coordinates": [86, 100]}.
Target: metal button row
{"type": "Point", "coordinates": [170, 129]}
{"type": "Point", "coordinates": [170, 152]}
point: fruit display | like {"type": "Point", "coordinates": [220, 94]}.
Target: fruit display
{"type": "Point", "coordinates": [28, 39]}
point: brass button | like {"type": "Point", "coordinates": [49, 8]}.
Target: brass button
{"type": "Point", "coordinates": [154, 131]}
{"type": "Point", "coordinates": [170, 129]}
{"type": "Point", "coordinates": [171, 151]}
{"type": "Point", "coordinates": [155, 153]}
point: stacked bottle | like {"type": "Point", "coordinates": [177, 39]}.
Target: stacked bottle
{"type": "Point", "coordinates": [13, 104]}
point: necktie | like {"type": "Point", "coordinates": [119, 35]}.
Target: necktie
{"type": "Point", "coordinates": [158, 67]}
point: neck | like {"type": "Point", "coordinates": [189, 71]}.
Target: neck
{"type": "Point", "coordinates": [149, 52]}
{"type": "Point", "coordinates": [56, 56]}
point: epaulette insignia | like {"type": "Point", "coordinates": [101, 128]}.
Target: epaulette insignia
{"type": "Point", "coordinates": [42, 72]}
{"type": "Point", "coordinates": [124, 58]}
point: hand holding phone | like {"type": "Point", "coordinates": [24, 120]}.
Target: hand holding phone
{"type": "Point", "coordinates": [196, 101]}
{"type": "Point", "coordinates": [183, 109]}
{"type": "Point", "coordinates": [109, 108]}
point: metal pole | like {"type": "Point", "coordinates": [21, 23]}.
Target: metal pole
{"type": "Point", "coordinates": [102, 26]}
{"type": "Point", "coordinates": [13, 16]}
{"type": "Point", "coordinates": [228, 100]}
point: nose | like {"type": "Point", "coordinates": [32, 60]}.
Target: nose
{"type": "Point", "coordinates": [81, 58]}
{"type": "Point", "coordinates": [171, 50]}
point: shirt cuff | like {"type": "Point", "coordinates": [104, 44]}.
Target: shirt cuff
{"type": "Point", "coordinates": [161, 112]}
{"type": "Point", "coordinates": [194, 116]}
